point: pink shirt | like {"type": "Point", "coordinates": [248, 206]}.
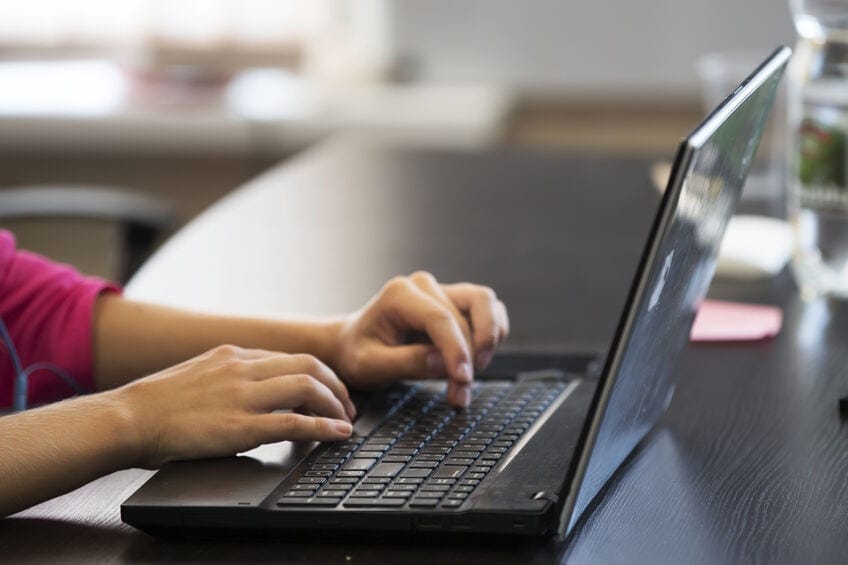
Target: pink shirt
{"type": "Point", "coordinates": [48, 309]}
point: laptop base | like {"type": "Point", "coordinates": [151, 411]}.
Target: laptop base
{"type": "Point", "coordinates": [238, 496]}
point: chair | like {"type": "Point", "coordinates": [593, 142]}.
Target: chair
{"type": "Point", "coordinates": [142, 219]}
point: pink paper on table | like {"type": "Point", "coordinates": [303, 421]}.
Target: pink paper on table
{"type": "Point", "coordinates": [735, 321]}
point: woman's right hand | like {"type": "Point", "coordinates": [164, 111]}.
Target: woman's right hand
{"type": "Point", "coordinates": [224, 402]}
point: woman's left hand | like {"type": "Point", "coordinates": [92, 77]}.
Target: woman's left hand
{"type": "Point", "coordinates": [417, 328]}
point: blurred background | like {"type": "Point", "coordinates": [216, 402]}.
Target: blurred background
{"type": "Point", "coordinates": [120, 120]}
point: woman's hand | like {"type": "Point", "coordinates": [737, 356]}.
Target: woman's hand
{"type": "Point", "coordinates": [461, 324]}
{"type": "Point", "coordinates": [223, 402]}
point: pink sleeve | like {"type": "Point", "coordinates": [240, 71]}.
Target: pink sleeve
{"type": "Point", "coordinates": [48, 309]}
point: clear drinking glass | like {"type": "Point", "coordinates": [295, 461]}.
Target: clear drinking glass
{"type": "Point", "coordinates": [817, 146]}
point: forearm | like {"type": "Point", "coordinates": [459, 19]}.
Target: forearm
{"type": "Point", "coordinates": [133, 339]}
{"type": "Point", "coordinates": [48, 451]}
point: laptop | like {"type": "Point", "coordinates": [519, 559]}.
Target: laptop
{"type": "Point", "coordinates": [538, 442]}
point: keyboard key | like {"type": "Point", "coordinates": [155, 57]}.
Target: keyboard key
{"type": "Point", "coordinates": [436, 488]}
{"type": "Point", "coordinates": [331, 460]}
{"type": "Point", "coordinates": [433, 494]}
{"type": "Point", "coordinates": [299, 493]}
{"type": "Point", "coordinates": [344, 473]}
{"type": "Point", "coordinates": [365, 493]}
{"type": "Point", "coordinates": [305, 487]}
{"type": "Point", "coordinates": [375, 446]}
{"type": "Point", "coordinates": [323, 467]}
{"type": "Point", "coordinates": [457, 461]}
{"type": "Point", "coordinates": [342, 486]}
{"type": "Point", "coordinates": [463, 488]}
{"type": "Point", "coordinates": [404, 487]}
{"type": "Point", "coordinates": [332, 493]}
{"type": "Point", "coordinates": [410, 480]}
{"type": "Point", "coordinates": [324, 501]}
{"type": "Point", "coordinates": [387, 436]}
{"type": "Point", "coordinates": [458, 495]}
{"type": "Point", "coordinates": [376, 480]}
{"type": "Point", "coordinates": [430, 457]}
{"type": "Point", "coordinates": [318, 473]}
{"type": "Point", "coordinates": [450, 472]}
{"type": "Point", "coordinates": [441, 481]}
{"type": "Point", "coordinates": [424, 502]}
{"type": "Point", "coordinates": [403, 451]}
{"type": "Point", "coordinates": [424, 465]}
{"type": "Point", "coordinates": [451, 503]}
{"type": "Point", "coordinates": [367, 454]}
{"type": "Point", "coordinates": [475, 475]}
{"type": "Point", "coordinates": [435, 449]}
{"type": "Point", "coordinates": [441, 443]}
{"type": "Point", "coordinates": [374, 502]}
{"type": "Point", "coordinates": [311, 480]}
{"type": "Point", "coordinates": [410, 444]}
{"type": "Point", "coordinates": [470, 482]}
{"type": "Point", "coordinates": [360, 464]}
{"type": "Point", "coordinates": [396, 458]}
{"type": "Point", "coordinates": [416, 473]}
{"type": "Point", "coordinates": [343, 481]}
{"type": "Point", "coordinates": [481, 441]}
{"type": "Point", "coordinates": [397, 494]}
{"type": "Point", "coordinates": [386, 470]}
{"type": "Point", "coordinates": [335, 453]}
{"type": "Point", "coordinates": [351, 443]}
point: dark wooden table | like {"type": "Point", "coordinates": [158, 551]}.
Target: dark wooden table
{"type": "Point", "coordinates": [749, 464]}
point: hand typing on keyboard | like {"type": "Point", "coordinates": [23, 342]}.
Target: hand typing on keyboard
{"type": "Point", "coordinates": [204, 399]}
{"type": "Point", "coordinates": [462, 325]}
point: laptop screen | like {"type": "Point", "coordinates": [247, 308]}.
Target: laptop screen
{"type": "Point", "coordinates": [672, 280]}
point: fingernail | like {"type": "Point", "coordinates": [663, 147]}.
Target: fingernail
{"type": "Point", "coordinates": [483, 359]}
{"type": "Point", "coordinates": [343, 427]}
{"type": "Point", "coordinates": [465, 396]}
{"type": "Point", "coordinates": [435, 364]}
{"type": "Point", "coordinates": [465, 372]}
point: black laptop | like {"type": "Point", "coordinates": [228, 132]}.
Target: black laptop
{"type": "Point", "coordinates": [537, 444]}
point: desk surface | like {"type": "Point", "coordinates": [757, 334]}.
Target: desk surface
{"type": "Point", "coordinates": [749, 464]}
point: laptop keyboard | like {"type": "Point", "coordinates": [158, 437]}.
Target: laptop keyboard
{"type": "Point", "coordinates": [425, 453]}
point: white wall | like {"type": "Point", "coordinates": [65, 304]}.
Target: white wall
{"type": "Point", "coordinates": [645, 47]}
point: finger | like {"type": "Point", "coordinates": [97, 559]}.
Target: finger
{"type": "Point", "coordinates": [481, 304]}
{"type": "Point", "coordinates": [288, 426]}
{"type": "Point", "coordinates": [300, 391]}
{"type": "Point", "coordinates": [429, 285]}
{"type": "Point", "coordinates": [419, 311]}
{"type": "Point", "coordinates": [416, 362]}
{"type": "Point", "coordinates": [278, 364]}
{"type": "Point", "coordinates": [504, 321]}
{"type": "Point", "coordinates": [386, 363]}
{"type": "Point", "coordinates": [458, 394]}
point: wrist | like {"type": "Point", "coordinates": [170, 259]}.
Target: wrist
{"type": "Point", "coordinates": [122, 431]}
{"type": "Point", "coordinates": [327, 338]}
